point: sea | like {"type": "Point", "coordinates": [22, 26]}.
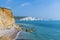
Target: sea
{"type": "Point", "coordinates": [43, 30]}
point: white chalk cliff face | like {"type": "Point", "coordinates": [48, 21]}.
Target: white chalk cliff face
{"type": "Point", "coordinates": [8, 27]}
{"type": "Point", "coordinates": [29, 19]}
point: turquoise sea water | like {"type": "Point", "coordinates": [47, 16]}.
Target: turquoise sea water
{"type": "Point", "coordinates": [43, 30]}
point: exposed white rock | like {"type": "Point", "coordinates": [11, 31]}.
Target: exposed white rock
{"type": "Point", "coordinates": [29, 18]}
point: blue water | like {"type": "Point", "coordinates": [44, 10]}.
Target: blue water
{"type": "Point", "coordinates": [43, 30]}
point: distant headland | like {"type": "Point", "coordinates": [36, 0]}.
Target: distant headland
{"type": "Point", "coordinates": [26, 18]}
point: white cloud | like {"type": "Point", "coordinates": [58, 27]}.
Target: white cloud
{"type": "Point", "coordinates": [8, 1]}
{"type": "Point", "coordinates": [25, 4]}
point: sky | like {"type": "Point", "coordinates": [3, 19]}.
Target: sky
{"type": "Point", "coordinates": [46, 9]}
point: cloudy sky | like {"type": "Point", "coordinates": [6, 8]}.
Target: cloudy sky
{"type": "Point", "coordinates": [49, 9]}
